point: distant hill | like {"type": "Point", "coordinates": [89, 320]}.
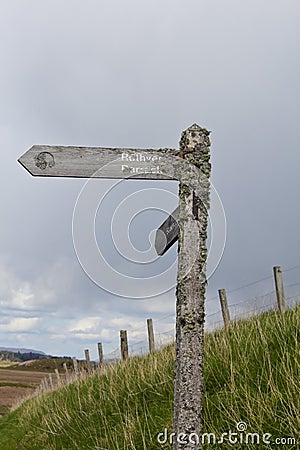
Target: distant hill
{"type": "Point", "coordinates": [20, 355]}
{"type": "Point", "coordinates": [45, 364]}
{"type": "Point", "coordinates": [21, 350]}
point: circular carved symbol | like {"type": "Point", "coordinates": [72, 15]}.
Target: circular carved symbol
{"type": "Point", "coordinates": [44, 160]}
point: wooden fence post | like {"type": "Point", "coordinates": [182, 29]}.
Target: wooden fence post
{"type": "Point", "coordinates": [100, 353]}
{"type": "Point", "coordinates": [224, 307]}
{"type": "Point", "coordinates": [194, 189]}
{"type": "Point", "coordinates": [87, 360]}
{"type": "Point", "coordinates": [150, 335]}
{"type": "Point", "coordinates": [279, 288]}
{"type": "Point", "coordinates": [75, 364]}
{"type": "Point", "coordinates": [124, 345]}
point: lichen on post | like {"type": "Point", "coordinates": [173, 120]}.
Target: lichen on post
{"type": "Point", "coordinates": [191, 283]}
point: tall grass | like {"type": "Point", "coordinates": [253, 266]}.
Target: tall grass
{"type": "Point", "coordinates": [251, 374]}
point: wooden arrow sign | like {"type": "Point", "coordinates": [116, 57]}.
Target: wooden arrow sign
{"type": "Point", "coordinates": [99, 162]}
{"type": "Point", "coordinates": [167, 233]}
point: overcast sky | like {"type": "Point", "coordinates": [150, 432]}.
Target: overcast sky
{"type": "Point", "coordinates": [136, 74]}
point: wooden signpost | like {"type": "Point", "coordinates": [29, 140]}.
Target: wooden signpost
{"type": "Point", "coordinates": [190, 165]}
{"type": "Point", "coordinates": [99, 162]}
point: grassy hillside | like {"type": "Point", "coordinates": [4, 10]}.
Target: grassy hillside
{"type": "Point", "coordinates": [251, 374]}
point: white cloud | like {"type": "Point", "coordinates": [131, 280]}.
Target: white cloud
{"type": "Point", "coordinates": [85, 325]}
{"type": "Point", "coordinates": [16, 293]}
{"type": "Point", "coordinates": [20, 325]}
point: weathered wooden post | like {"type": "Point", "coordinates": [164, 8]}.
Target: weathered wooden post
{"type": "Point", "coordinates": [75, 364]}
{"type": "Point", "coordinates": [279, 288]}
{"type": "Point", "coordinates": [124, 345]}
{"type": "Point", "coordinates": [87, 360]}
{"type": "Point", "coordinates": [100, 353]}
{"type": "Point", "coordinates": [224, 307]}
{"type": "Point", "coordinates": [191, 288]}
{"type": "Point", "coordinates": [150, 335]}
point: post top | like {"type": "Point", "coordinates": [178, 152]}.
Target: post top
{"type": "Point", "coordinates": [195, 147]}
{"type": "Point", "coordinates": [196, 127]}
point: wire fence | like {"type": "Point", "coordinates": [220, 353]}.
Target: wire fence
{"type": "Point", "coordinates": [240, 308]}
